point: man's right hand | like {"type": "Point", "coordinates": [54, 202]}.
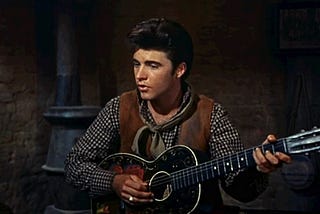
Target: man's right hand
{"type": "Point", "coordinates": [131, 189]}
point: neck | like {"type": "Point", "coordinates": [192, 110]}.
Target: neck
{"type": "Point", "coordinates": [163, 109]}
{"type": "Point", "coordinates": [167, 104]}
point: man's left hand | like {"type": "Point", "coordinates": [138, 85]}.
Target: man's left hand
{"type": "Point", "coordinates": [268, 162]}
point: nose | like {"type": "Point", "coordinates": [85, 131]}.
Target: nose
{"type": "Point", "coordinates": [140, 73]}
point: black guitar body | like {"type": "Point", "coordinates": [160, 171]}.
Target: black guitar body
{"type": "Point", "coordinates": [168, 196]}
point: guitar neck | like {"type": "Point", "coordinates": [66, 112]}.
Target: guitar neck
{"type": "Point", "coordinates": [222, 166]}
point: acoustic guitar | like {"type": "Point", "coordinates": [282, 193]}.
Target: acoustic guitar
{"type": "Point", "coordinates": [176, 175]}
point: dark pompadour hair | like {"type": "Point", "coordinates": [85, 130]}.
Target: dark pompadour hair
{"type": "Point", "coordinates": [163, 35]}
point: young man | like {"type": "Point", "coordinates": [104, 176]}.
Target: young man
{"type": "Point", "coordinates": [161, 113]}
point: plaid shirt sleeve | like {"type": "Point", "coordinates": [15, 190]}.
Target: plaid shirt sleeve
{"type": "Point", "coordinates": [225, 141]}
{"type": "Point", "coordinates": [99, 141]}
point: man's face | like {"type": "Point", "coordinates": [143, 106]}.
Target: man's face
{"type": "Point", "coordinates": [154, 74]}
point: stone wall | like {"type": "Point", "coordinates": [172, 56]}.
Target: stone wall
{"type": "Point", "coordinates": [23, 131]}
{"type": "Point", "coordinates": [234, 64]}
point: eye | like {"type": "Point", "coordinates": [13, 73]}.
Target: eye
{"type": "Point", "coordinates": [154, 66]}
{"type": "Point", "coordinates": [135, 64]}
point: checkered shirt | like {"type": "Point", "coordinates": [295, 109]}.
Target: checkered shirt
{"type": "Point", "coordinates": [103, 136]}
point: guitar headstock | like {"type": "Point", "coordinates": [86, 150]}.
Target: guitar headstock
{"type": "Point", "coordinates": [303, 142]}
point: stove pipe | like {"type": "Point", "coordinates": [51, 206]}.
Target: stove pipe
{"type": "Point", "coordinates": [69, 119]}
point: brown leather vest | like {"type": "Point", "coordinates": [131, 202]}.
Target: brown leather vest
{"type": "Point", "coordinates": [195, 132]}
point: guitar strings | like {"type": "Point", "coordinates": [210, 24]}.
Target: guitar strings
{"type": "Point", "coordinates": [179, 177]}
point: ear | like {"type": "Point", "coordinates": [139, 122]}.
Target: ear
{"type": "Point", "coordinates": [181, 69]}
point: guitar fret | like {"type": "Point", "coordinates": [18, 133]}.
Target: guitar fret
{"type": "Point", "coordinates": [263, 150]}
{"type": "Point", "coordinates": [212, 171]}
{"type": "Point", "coordinates": [246, 158]}
{"type": "Point", "coordinates": [202, 177]}
{"type": "Point", "coordinates": [272, 147]}
{"type": "Point", "coordinates": [218, 169]}
{"type": "Point", "coordinates": [238, 161]}
{"type": "Point", "coordinates": [207, 173]}
{"type": "Point", "coordinates": [203, 174]}
{"type": "Point", "coordinates": [224, 166]}
{"type": "Point", "coordinates": [285, 149]}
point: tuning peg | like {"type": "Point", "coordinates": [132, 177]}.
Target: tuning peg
{"type": "Point", "coordinates": [302, 130]}
{"type": "Point", "coordinates": [315, 127]}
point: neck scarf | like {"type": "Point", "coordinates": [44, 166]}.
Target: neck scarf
{"type": "Point", "coordinates": [157, 144]}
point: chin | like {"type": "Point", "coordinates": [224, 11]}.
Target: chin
{"type": "Point", "coordinates": [146, 96]}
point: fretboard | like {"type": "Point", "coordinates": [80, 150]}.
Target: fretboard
{"type": "Point", "coordinates": [222, 166]}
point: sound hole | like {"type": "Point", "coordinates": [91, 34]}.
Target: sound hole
{"type": "Point", "coordinates": [160, 186]}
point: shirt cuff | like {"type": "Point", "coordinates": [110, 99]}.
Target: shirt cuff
{"type": "Point", "coordinates": [102, 182]}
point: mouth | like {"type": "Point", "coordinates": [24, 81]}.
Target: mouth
{"type": "Point", "coordinates": [142, 88]}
